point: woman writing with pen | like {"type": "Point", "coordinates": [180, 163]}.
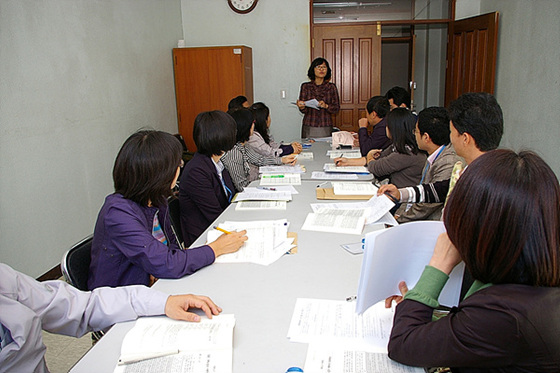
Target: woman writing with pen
{"type": "Point", "coordinates": [133, 242]}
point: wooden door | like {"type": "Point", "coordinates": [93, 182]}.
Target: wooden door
{"type": "Point", "coordinates": [354, 54]}
{"type": "Point", "coordinates": [471, 56]}
{"type": "Point", "coordinates": [207, 78]}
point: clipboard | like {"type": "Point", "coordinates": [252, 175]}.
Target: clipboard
{"type": "Point", "coordinates": [328, 193]}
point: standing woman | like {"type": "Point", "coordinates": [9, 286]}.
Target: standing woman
{"type": "Point", "coordinates": [261, 141]}
{"type": "Point", "coordinates": [503, 221]}
{"type": "Point", "coordinates": [318, 122]}
{"type": "Point", "coordinates": [206, 188]}
{"type": "Point", "coordinates": [133, 239]}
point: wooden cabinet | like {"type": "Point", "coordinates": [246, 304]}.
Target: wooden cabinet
{"type": "Point", "coordinates": [207, 78]}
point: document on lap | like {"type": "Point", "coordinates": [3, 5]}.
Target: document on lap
{"type": "Point", "coordinates": [400, 254]}
{"type": "Point", "coordinates": [198, 347]}
{"type": "Point", "coordinates": [267, 241]}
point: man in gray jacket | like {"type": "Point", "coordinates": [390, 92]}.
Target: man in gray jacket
{"type": "Point", "coordinates": [432, 135]}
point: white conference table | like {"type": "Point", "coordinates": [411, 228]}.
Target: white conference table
{"type": "Point", "coordinates": [262, 298]}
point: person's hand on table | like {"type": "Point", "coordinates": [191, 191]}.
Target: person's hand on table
{"type": "Point", "coordinates": [297, 147]}
{"type": "Point", "coordinates": [228, 243]}
{"type": "Point", "coordinates": [177, 306]}
{"type": "Point", "coordinates": [389, 189]}
{"type": "Point", "coordinates": [445, 256]}
{"type": "Point", "coordinates": [397, 298]}
{"type": "Point", "coordinates": [342, 161]}
{"type": "Point", "coordinates": [289, 159]}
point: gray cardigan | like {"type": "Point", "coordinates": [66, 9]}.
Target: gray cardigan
{"type": "Point", "coordinates": [402, 170]}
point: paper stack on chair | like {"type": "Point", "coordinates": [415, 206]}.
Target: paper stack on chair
{"type": "Point", "coordinates": [267, 241]}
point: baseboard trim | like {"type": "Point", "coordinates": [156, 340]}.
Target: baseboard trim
{"type": "Point", "coordinates": [53, 274]}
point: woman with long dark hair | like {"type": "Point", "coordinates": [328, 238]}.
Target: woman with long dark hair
{"type": "Point", "coordinates": [402, 163]}
{"type": "Point", "coordinates": [502, 220]}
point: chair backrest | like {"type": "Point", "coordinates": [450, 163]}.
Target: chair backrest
{"type": "Point", "coordinates": [175, 214]}
{"type": "Point", "coordinates": [75, 263]}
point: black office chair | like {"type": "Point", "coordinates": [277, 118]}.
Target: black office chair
{"type": "Point", "coordinates": [75, 268]}
{"type": "Point", "coordinates": [175, 214]}
{"type": "Point", "coordinates": [75, 263]}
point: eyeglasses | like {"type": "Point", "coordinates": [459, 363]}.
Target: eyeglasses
{"type": "Point", "coordinates": [321, 67]}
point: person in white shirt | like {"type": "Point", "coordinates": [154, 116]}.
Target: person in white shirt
{"type": "Point", "coordinates": [28, 306]}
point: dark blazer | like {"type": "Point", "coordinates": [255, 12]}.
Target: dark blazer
{"type": "Point", "coordinates": [201, 196]}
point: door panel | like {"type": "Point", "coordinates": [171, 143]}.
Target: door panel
{"type": "Point", "coordinates": [354, 54]}
{"type": "Point", "coordinates": [471, 54]}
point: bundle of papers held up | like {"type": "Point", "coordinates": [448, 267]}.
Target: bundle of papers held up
{"type": "Point", "coordinates": [267, 241]}
{"type": "Point", "coordinates": [159, 344]}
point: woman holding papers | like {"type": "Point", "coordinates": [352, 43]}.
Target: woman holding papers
{"type": "Point", "coordinates": [503, 221]}
{"type": "Point", "coordinates": [133, 239]}
{"type": "Point", "coordinates": [317, 121]}
{"type": "Point", "coordinates": [243, 162]}
{"type": "Point", "coordinates": [206, 188]}
{"type": "Point", "coordinates": [261, 141]}
{"type": "Point", "coordinates": [401, 162]}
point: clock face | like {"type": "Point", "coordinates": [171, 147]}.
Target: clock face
{"type": "Point", "coordinates": [242, 6]}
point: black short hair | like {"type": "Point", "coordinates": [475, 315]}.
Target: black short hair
{"type": "Point", "coordinates": [399, 95]}
{"type": "Point", "coordinates": [261, 113]}
{"type": "Point", "coordinates": [435, 122]}
{"type": "Point", "coordinates": [379, 104]}
{"type": "Point", "coordinates": [316, 62]}
{"type": "Point", "coordinates": [244, 119]}
{"type": "Point", "coordinates": [146, 166]}
{"type": "Point", "coordinates": [401, 123]}
{"type": "Point", "coordinates": [503, 217]}
{"type": "Point", "coordinates": [236, 103]}
{"type": "Point", "coordinates": [479, 115]}
{"type": "Point", "coordinates": [214, 132]}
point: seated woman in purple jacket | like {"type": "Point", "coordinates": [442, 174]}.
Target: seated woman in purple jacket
{"type": "Point", "coordinates": [206, 188]}
{"type": "Point", "coordinates": [502, 220]}
{"type": "Point", "coordinates": [133, 238]}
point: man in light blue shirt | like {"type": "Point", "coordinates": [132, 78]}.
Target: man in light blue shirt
{"type": "Point", "coordinates": [28, 306]}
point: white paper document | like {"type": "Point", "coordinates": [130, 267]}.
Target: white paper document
{"type": "Point", "coordinates": [304, 156]}
{"type": "Point", "coordinates": [346, 153]}
{"type": "Point", "coordinates": [282, 169]}
{"type": "Point", "coordinates": [400, 254]}
{"type": "Point", "coordinates": [260, 205]}
{"type": "Point", "coordinates": [327, 358]}
{"type": "Point", "coordinates": [320, 320]}
{"type": "Point", "coordinates": [267, 241]}
{"type": "Point", "coordinates": [262, 195]}
{"type": "Point", "coordinates": [354, 189]}
{"type": "Point", "coordinates": [331, 167]}
{"type": "Point", "coordinates": [378, 207]}
{"type": "Point", "coordinates": [198, 347]}
{"type": "Point", "coordinates": [336, 221]}
{"type": "Point", "coordinates": [280, 179]}
{"type": "Point", "coordinates": [332, 176]}
{"type": "Point", "coordinates": [277, 188]}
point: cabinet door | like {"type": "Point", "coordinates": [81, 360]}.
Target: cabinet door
{"type": "Point", "coordinates": [207, 79]}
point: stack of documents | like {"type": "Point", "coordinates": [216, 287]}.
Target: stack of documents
{"type": "Point", "coordinates": [350, 221]}
{"type": "Point", "coordinates": [295, 169]}
{"type": "Point", "coordinates": [354, 189]}
{"type": "Point", "coordinates": [331, 167]}
{"type": "Point", "coordinates": [280, 179]}
{"type": "Point", "coordinates": [377, 208]}
{"type": "Point", "coordinates": [159, 344]}
{"type": "Point", "coordinates": [332, 176]}
{"type": "Point", "coordinates": [343, 341]}
{"type": "Point", "coordinates": [264, 198]}
{"type": "Point", "coordinates": [267, 241]}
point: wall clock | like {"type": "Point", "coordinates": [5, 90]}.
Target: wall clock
{"type": "Point", "coordinates": [242, 6]}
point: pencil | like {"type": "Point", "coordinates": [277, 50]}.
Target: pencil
{"type": "Point", "coordinates": [221, 230]}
